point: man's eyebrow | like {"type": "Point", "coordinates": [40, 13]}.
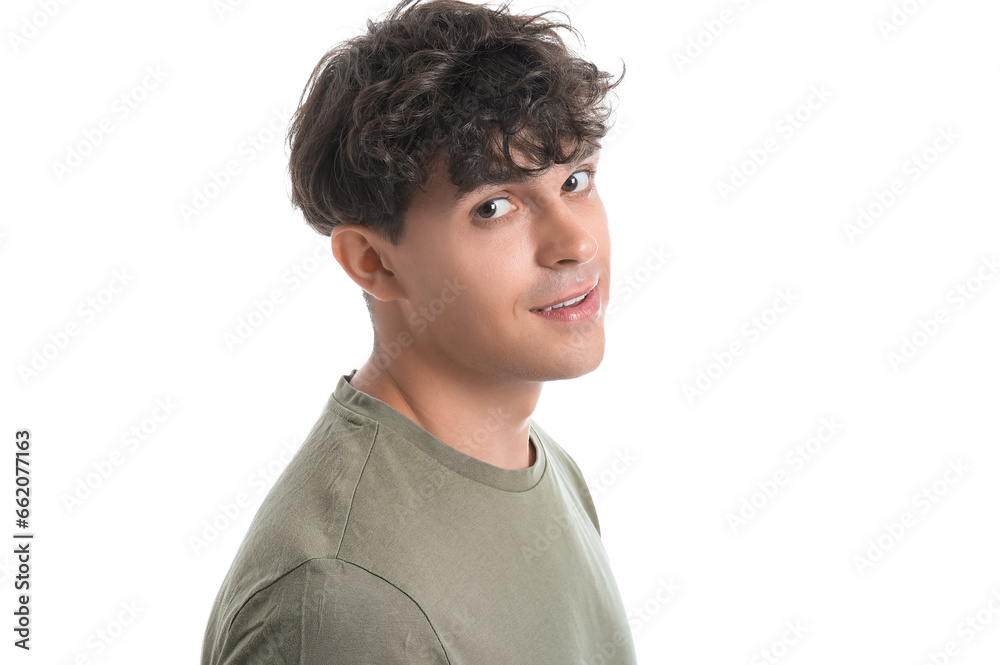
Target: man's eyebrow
{"type": "Point", "coordinates": [589, 152]}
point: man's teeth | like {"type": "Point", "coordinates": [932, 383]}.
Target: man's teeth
{"type": "Point", "coordinates": [568, 303]}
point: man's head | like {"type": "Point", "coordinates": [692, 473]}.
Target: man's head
{"type": "Point", "coordinates": [407, 139]}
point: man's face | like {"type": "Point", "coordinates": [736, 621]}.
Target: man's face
{"type": "Point", "coordinates": [497, 254]}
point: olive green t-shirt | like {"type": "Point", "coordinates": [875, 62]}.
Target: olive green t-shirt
{"type": "Point", "coordinates": [381, 544]}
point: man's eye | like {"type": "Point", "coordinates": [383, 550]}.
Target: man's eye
{"type": "Point", "coordinates": [578, 182]}
{"type": "Point", "coordinates": [494, 208]}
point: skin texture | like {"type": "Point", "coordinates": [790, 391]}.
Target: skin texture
{"type": "Point", "coordinates": [470, 371]}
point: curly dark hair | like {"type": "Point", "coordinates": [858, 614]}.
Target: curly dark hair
{"type": "Point", "coordinates": [441, 79]}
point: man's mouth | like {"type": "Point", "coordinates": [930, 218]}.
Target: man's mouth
{"type": "Point", "coordinates": [570, 302]}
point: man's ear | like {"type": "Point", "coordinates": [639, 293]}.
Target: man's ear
{"type": "Point", "coordinates": [364, 256]}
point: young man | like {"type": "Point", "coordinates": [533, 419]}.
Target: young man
{"type": "Point", "coordinates": [450, 153]}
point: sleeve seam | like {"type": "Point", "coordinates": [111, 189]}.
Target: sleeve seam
{"type": "Point", "coordinates": [267, 586]}
{"type": "Point", "coordinates": [350, 563]}
{"type": "Point", "coordinates": [410, 598]}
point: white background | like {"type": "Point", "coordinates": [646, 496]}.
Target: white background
{"type": "Point", "coordinates": [683, 127]}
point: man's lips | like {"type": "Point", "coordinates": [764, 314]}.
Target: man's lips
{"type": "Point", "coordinates": [564, 298]}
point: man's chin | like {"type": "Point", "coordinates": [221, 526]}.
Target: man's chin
{"type": "Point", "coordinates": [570, 367]}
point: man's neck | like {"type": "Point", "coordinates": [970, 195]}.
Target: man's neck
{"type": "Point", "coordinates": [487, 421]}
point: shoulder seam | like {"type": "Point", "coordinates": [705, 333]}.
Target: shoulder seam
{"type": "Point", "coordinates": [361, 475]}
{"type": "Point", "coordinates": [296, 566]}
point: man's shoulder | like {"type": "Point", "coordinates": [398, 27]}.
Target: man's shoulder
{"type": "Point", "coordinates": [303, 516]}
{"type": "Point", "coordinates": [288, 592]}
